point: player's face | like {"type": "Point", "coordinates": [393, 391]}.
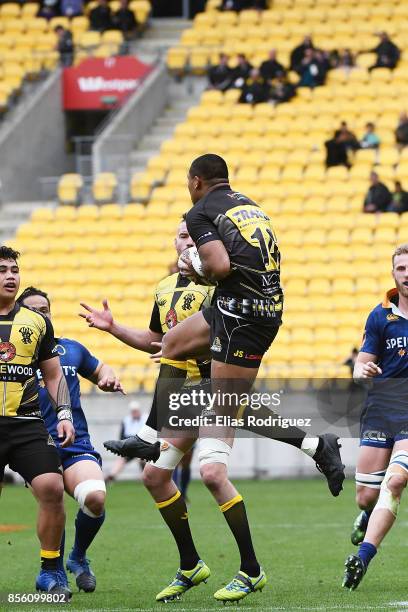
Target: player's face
{"type": "Point", "coordinates": [182, 240]}
{"type": "Point", "coordinates": [400, 274]}
{"type": "Point", "coordinates": [9, 279]}
{"type": "Point", "coordinates": [39, 303]}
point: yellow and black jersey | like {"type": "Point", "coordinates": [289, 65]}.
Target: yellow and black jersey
{"type": "Point", "coordinates": [177, 298]}
{"type": "Point", "coordinates": [26, 339]}
{"type": "Point", "coordinates": [252, 290]}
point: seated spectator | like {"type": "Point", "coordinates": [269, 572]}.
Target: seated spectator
{"type": "Point", "coordinates": [241, 72]}
{"type": "Point", "coordinates": [282, 90]}
{"type": "Point", "coordinates": [298, 53]}
{"type": "Point", "coordinates": [100, 17]}
{"type": "Point", "coordinates": [270, 68]}
{"type": "Point", "coordinates": [221, 76]}
{"type": "Point", "coordinates": [378, 196]}
{"type": "Point", "coordinates": [348, 137]}
{"type": "Point", "coordinates": [387, 52]}
{"type": "Point", "coordinates": [255, 89]}
{"type": "Point", "coordinates": [71, 8]}
{"type": "Point", "coordinates": [370, 140]}
{"type": "Point", "coordinates": [401, 133]}
{"type": "Point", "coordinates": [313, 69]}
{"type": "Point", "coordinates": [65, 45]}
{"type": "Point", "coordinates": [48, 9]}
{"type": "Point", "coordinates": [399, 203]}
{"type": "Point", "coordinates": [125, 20]}
{"type": "Point", "coordinates": [346, 59]}
{"type": "Point", "coordinates": [338, 147]}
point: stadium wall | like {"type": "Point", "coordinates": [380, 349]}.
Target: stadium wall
{"type": "Point", "coordinates": [110, 152]}
{"type": "Point", "coordinates": [32, 143]}
{"type": "Point", "coordinates": [251, 457]}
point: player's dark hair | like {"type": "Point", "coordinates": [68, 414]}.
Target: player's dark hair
{"type": "Point", "coordinates": [30, 291]}
{"type": "Point", "coordinates": [8, 253]}
{"type": "Point", "coordinates": [210, 167]}
{"type": "Point", "coordinates": [184, 217]}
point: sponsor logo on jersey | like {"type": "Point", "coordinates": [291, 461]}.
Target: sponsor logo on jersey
{"type": "Point", "coordinates": [171, 318]}
{"type": "Point", "coordinates": [14, 369]}
{"type": "Point", "coordinates": [400, 342]}
{"type": "Point", "coordinates": [50, 441]}
{"type": "Point", "coordinates": [26, 334]}
{"type": "Point", "coordinates": [216, 345]}
{"type": "Point", "coordinates": [162, 302]}
{"type": "Point", "coordinates": [60, 350]}
{"type": "Point", "coordinates": [243, 355]}
{"type": "Point", "coordinates": [7, 351]}
{"type": "Point", "coordinates": [402, 352]}
{"type": "Point", "coordinates": [188, 300]}
{"type": "Point", "coordinates": [392, 317]}
{"type": "Point", "coordinates": [164, 446]}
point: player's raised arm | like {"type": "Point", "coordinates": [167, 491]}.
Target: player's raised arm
{"type": "Point", "coordinates": [58, 392]}
{"type": "Point", "coordinates": [365, 366]}
{"type": "Point", "coordinates": [140, 339]}
{"type": "Point", "coordinates": [106, 379]}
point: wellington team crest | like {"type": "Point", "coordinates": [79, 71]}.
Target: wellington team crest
{"type": "Point", "coordinates": [171, 318]}
{"type": "Point", "coordinates": [7, 351]}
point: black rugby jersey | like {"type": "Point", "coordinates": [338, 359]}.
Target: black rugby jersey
{"type": "Point", "coordinates": [252, 290]}
{"type": "Point", "coordinates": [26, 339]}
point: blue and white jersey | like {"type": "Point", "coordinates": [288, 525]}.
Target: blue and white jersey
{"type": "Point", "coordinates": [386, 336]}
{"type": "Point", "coordinates": [75, 359]}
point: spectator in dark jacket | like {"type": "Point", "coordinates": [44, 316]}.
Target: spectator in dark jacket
{"type": "Point", "coordinates": [401, 133]}
{"type": "Point", "coordinates": [270, 68]}
{"type": "Point", "coordinates": [65, 45]}
{"type": "Point", "coordinates": [125, 20]}
{"type": "Point", "coordinates": [378, 196]}
{"type": "Point", "coordinates": [313, 69]}
{"type": "Point", "coordinates": [241, 72]}
{"type": "Point", "coordinates": [387, 52]}
{"type": "Point", "coordinates": [282, 90]}
{"type": "Point", "coordinates": [399, 202]}
{"type": "Point", "coordinates": [255, 90]}
{"type": "Point", "coordinates": [48, 9]}
{"type": "Point", "coordinates": [220, 76]}
{"type": "Point", "coordinates": [71, 8]}
{"type": "Point", "coordinates": [101, 17]}
{"type": "Point", "coordinates": [298, 53]}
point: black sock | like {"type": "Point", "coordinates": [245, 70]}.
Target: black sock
{"type": "Point", "coordinates": [174, 512]}
{"type": "Point", "coordinates": [289, 435]}
{"type": "Point", "coordinates": [236, 517]}
{"type": "Point", "coordinates": [49, 559]}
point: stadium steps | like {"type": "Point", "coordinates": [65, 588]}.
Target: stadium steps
{"type": "Point", "coordinates": [14, 214]}
{"type": "Point", "coordinates": [182, 96]}
{"type": "Point", "coordinates": [162, 34]}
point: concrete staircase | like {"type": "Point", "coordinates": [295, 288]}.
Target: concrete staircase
{"type": "Point", "coordinates": [14, 214]}
{"type": "Point", "coordinates": [161, 34]}
{"type": "Point", "coordinates": [182, 95]}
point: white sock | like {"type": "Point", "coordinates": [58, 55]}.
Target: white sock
{"type": "Point", "coordinates": [147, 434]}
{"type": "Point", "coordinates": [309, 446]}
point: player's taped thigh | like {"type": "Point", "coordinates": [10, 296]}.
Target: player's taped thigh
{"type": "Point", "coordinates": [83, 489]}
{"type": "Point", "coordinates": [170, 456]}
{"type": "Point", "coordinates": [372, 480]}
{"type": "Point", "coordinates": [398, 466]}
{"type": "Point", "coordinates": [212, 450]}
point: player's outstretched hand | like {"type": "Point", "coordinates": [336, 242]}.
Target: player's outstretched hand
{"type": "Point", "coordinates": [101, 319]}
{"type": "Point", "coordinates": [111, 384]}
{"type": "Point", "coordinates": [156, 357]}
{"type": "Point", "coordinates": [370, 370]}
{"type": "Point", "coordinates": [66, 433]}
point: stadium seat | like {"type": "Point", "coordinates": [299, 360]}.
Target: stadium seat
{"type": "Point", "coordinates": [69, 188]}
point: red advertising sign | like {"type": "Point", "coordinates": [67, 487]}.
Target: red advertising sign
{"type": "Point", "coordinates": [101, 84]}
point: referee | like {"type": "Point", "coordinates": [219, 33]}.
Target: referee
{"type": "Point", "coordinates": [27, 342]}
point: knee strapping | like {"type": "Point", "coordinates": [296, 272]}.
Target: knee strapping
{"type": "Point", "coordinates": [398, 466]}
{"type": "Point", "coordinates": [83, 489]}
{"type": "Point", "coordinates": [170, 456]}
{"type": "Point", "coordinates": [372, 480]}
{"type": "Point", "coordinates": [212, 450]}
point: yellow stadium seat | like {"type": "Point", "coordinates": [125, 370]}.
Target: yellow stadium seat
{"type": "Point", "coordinates": [9, 10]}
{"type": "Point", "coordinates": [104, 187]}
{"type": "Point", "coordinates": [90, 39]}
{"type": "Point", "coordinates": [69, 188]}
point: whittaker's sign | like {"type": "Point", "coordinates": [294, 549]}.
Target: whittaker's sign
{"type": "Point", "coordinates": [99, 84]}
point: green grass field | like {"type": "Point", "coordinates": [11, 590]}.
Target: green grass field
{"type": "Point", "coordinates": [301, 535]}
